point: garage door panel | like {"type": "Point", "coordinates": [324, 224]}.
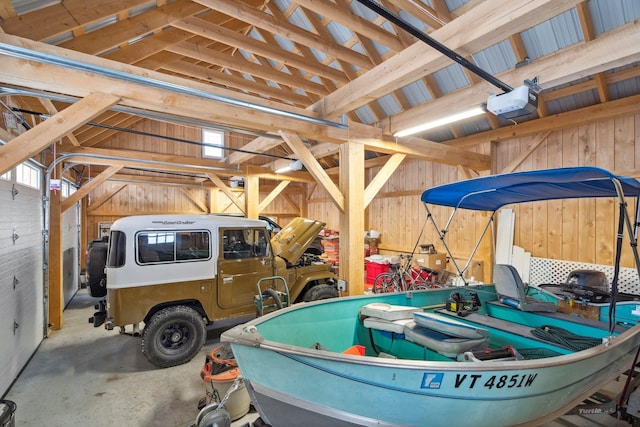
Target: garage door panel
{"type": "Point", "coordinates": [9, 364]}
{"type": "Point", "coordinates": [23, 238]}
{"type": "Point", "coordinates": [21, 303]}
{"type": "Point", "coordinates": [70, 247]}
{"type": "Point", "coordinates": [29, 320]}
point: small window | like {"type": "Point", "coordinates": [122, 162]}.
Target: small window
{"type": "Point", "coordinates": [6, 176]}
{"type": "Point", "coordinates": [172, 246]}
{"type": "Point", "coordinates": [117, 249]}
{"type": "Point", "coordinates": [244, 243]}
{"type": "Point", "coordinates": [28, 175]}
{"type": "Point", "coordinates": [212, 144]}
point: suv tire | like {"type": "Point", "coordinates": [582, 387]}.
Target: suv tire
{"type": "Point", "coordinates": [319, 292]}
{"type": "Point", "coordinates": [173, 336]}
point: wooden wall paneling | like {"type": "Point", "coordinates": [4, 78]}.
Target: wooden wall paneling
{"type": "Point", "coordinates": [624, 135]}
{"type": "Point", "coordinates": [540, 217]}
{"type": "Point", "coordinates": [587, 207]}
{"type": "Point", "coordinates": [570, 226]}
{"type": "Point", "coordinates": [525, 231]}
{"type": "Point", "coordinates": [554, 208]}
{"type": "Point", "coordinates": [507, 151]}
{"type": "Point", "coordinates": [605, 209]}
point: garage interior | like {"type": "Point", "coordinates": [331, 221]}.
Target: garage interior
{"type": "Point", "coordinates": [106, 106]}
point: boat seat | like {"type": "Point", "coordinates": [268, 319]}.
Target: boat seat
{"type": "Point", "coordinates": [435, 332]}
{"type": "Point", "coordinates": [388, 311]}
{"type": "Point", "coordinates": [511, 290]}
{"type": "Point", "coordinates": [387, 317]}
{"type": "Point", "coordinates": [446, 345]}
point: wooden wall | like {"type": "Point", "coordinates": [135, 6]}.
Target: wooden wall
{"type": "Point", "coordinates": [568, 230]}
{"type": "Point", "coordinates": [582, 231]}
{"type": "Point", "coordinates": [115, 199]}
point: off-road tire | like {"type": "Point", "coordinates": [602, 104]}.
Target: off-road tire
{"type": "Point", "coordinates": [319, 292]}
{"type": "Point", "coordinates": [173, 336]}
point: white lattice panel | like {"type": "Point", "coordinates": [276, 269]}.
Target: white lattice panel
{"type": "Point", "coordinates": [555, 271]}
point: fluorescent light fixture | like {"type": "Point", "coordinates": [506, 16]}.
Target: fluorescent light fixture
{"type": "Point", "coordinates": [441, 122]}
{"type": "Point", "coordinates": [295, 165]}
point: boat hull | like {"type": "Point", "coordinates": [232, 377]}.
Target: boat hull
{"type": "Point", "coordinates": [294, 382]}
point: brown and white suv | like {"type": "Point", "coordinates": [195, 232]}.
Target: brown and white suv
{"type": "Point", "coordinates": [179, 273]}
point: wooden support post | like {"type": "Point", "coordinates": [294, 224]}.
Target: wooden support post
{"type": "Point", "coordinates": [56, 297]}
{"type": "Point", "coordinates": [252, 196]}
{"type": "Point", "coordinates": [352, 218]}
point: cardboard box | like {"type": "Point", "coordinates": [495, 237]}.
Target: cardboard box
{"type": "Point", "coordinates": [476, 269]}
{"type": "Point", "coordinates": [432, 261]}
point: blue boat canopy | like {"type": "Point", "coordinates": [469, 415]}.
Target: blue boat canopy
{"type": "Point", "coordinates": [490, 193]}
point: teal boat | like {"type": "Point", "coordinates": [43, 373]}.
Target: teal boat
{"type": "Point", "coordinates": [483, 355]}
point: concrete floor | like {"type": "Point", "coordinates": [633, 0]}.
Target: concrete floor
{"type": "Point", "coordinates": [85, 376]}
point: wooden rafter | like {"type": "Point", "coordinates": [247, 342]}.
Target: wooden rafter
{"type": "Point", "coordinates": [36, 139]}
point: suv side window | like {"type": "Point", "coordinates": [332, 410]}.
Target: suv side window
{"type": "Point", "coordinates": [244, 243]}
{"type": "Point", "coordinates": [117, 249]}
{"type": "Point", "coordinates": [154, 247]}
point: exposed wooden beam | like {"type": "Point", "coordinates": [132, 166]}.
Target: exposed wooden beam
{"type": "Point", "coordinates": [112, 36]}
{"type": "Point", "coordinates": [220, 34]}
{"type": "Point", "coordinates": [422, 12]}
{"type": "Point", "coordinates": [51, 109]}
{"type": "Point", "coordinates": [432, 151]}
{"type": "Point", "coordinates": [481, 27]}
{"type": "Point", "coordinates": [570, 64]}
{"type": "Point", "coordinates": [314, 168]}
{"type": "Point", "coordinates": [227, 191]}
{"type": "Point", "coordinates": [36, 139]}
{"type": "Point", "coordinates": [209, 75]}
{"type": "Point", "coordinates": [88, 187]}
{"type": "Point", "coordinates": [352, 21]}
{"type": "Point", "coordinates": [267, 22]}
{"type": "Point", "coordinates": [272, 195]}
{"type": "Point", "coordinates": [60, 18]}
{"type": "Point", "coordinates": [522, 156]}
{"type": "Point", "coordinates": [165, 162]}
{"type": "Point", "coordinates": [238, 63]}
{"type": "Point", "coordinates": [605, 111]}
{"type": "Point", "coordinates": [95, 204]}
{"type": "Point", "coordinates": [202, 206]}
{"type": "Point", "coordinates": [79, 84]}
{"type": "Point", "coordinates": [393, 162]}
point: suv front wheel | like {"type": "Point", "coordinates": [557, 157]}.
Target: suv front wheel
{"type": "Point", "coordinates": [173, 336]}
{"type": "Point", "coordinates": [321, 291]}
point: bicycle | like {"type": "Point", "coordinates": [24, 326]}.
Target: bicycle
{"type": "Point", "coordinates": [403, 277]}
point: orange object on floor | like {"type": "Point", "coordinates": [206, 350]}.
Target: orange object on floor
{"type": "Point", "coordinates": [356, 350]}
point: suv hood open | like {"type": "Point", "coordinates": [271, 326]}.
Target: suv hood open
{"type": "Point", "coordinates": [291, 242]}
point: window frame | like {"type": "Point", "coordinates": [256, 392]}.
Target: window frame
{"type": "Point", "coordinates": [168, 240]}
{"type": "Point", "coordinates": [213, 149]}
{"type": "Point", "coordinates": [34, 179]}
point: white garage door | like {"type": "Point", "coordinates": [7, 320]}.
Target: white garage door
{"type": "Point", "coordinates": [21, 278]}
{"type": "Point", "coordinates": [70, 245]}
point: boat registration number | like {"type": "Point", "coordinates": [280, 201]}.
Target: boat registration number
{"type": "Point", "coordinates": [470, 381]}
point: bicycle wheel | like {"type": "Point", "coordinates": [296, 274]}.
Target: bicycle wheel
{"type": "Point", "coordinates": [385, 282]}
{"type": "Point", "coordinates": [417, 280]}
